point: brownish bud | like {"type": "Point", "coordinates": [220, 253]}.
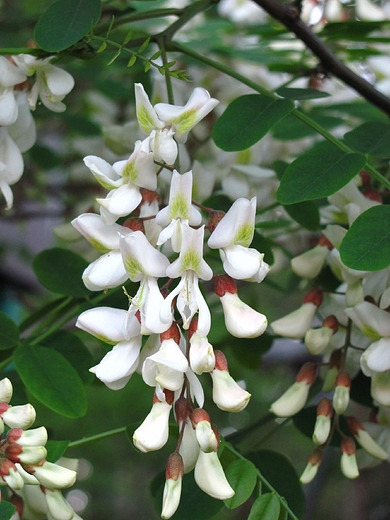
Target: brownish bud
{"type": "Point", "coordinates": [215, 217]}
{"type": "Point", "coordinates": [171, 333]}
{"type": "Point", "coordinates": [325, 407]}
{"type": "Point", "coordinates": [343, 379]}
{"type": "Point", "coordinates": [135, 224]}
{"type": "Point", "coordinates": [220, 360]}
{"type": "Point", "coordinates": [224, 284]}
{"type": "Point", "coordinates": [331, 322]}
{"type": "Point", "coordinates": [175, 466]}
{"type": "Point", "coordinates": [307, 374]}
{"type": "Point", "coordinates": [323, 241]}
{"type": "Point", "coordinates": [348, 446]}
{"type": "Point", "coordinates": [313, 296]}
{"type": "Point", "coordinates": [354, 425]}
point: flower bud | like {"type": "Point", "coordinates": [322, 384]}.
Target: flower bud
{"type": "Point", "coordinates": [58, 507]}
{"type": "Point", "coordinates": [323, 421]}
{"type": "Point", "coordinates": [313, 463]}
{"type": "Point", "coordinates": [341, 393]}
{"type": "Point", "coordinates": [10, 475]}
{"type": "Point", "coordinates": [35, 437]}
{"type": "Point", "coordinates": [295, 397]}
{"type": "Point", "coordinates": [332, 373]}
{"type": "Point", "coordinates": [241, 320]}
{"type": "Point", "coordinates": [309, 264]}
{"type": "Point", "coordinates": [227, 393]}
{"type": "Point", "coordinates": [202, 357]}
{"type": "Point", "coordinates": [210, 477]}
{"type": "Point", "coordinates": [204, 433]}
{"type": "Point", "coordinates": [380, 388]}
{"type": "Point", "coordinates": [189, 447]}
{"type": "Point", "coordinates": [53, 476]}
{"type": "Point", "coordinates": [172, 489]}
{"type": "Point", "coordinates": [5, 390]}
{"type": "Point", "coordinates": [297, 323]}
{"type": "Point", "coordinates": [154, 431]}
{"type": "Point", "coordinates": [215, 217]}
{"type": "Point", "coordinates": [365, 440]}
{"type": "Point", "coordinates": [348, 462]}
{"type": "Point", "coordinates": [316, 340]}
{"type": "Point", "coordinates": [26, 454]}
{"type": "Point", "coordinates": [19, 416]}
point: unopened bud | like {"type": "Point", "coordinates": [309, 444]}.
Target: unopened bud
{"type": "Point", "coordinates": [313, 463]}
{"type": "Point", "coordinates": [365, 440]}
{"type": "Point", "coordinates": [323, 421]}
{"type": "Point", "coordinates": [295, 397]}
{"type": "Point", "coordinates": [202, 358]}
{"type": "Point", "coordinates": [332, 373]}
{"type": "Point", "coordinates": [228, 395]}
{"type": "Point", "coordinates": [348, 462]}
{"type": "Point", "coordinates": [172, 489]}
{"type": "Point", "coordinates": [372, 194]}
{"type": "Point", "coordinates": [297, 323]}
{"type": "Point", "coordinates": [341, 393]}
{"type": "Point", "coordinates": [5, 390]}
{"type": "Point", "coordinates": [224, 284]}
{"type": "Point", "coordinates": [210, 476]}
{"type": "Point", "coordinates": [309, 264]}
{"type": "Point", "coordinates": [181, 410]}
{"type": "Point", "coordinates": [35, 437]}
{"type": "Point", "coordinates": [241, 320]}
{"type": "Point", "coordinates": [149, 196]}
{"type": "Point", "coordinates": [25, 455]}
{"type": "Point", "coordinates": [205, 435]}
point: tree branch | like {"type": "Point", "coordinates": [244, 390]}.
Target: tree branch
{"type": "Point", "coordinates": [288, 15]}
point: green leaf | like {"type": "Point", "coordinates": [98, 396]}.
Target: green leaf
{"type": "Point", "coordinates": [132, 60]}
{"type": "Point", "coordinates": [292, 128]}
{"type": "Point", "coordinates": [301, 93]}
{"type": "Point", "coordinates": [74, 350]}
{"type": "Point", "coordinates": [242, 476]}
{"type": "Point", "coordinates": [55, 450]}
{"type": "Point", "coordinates": [9, 332]}
{"type": "Point", "coordinates": [366, 246]}
{"type": "Point", "coordinates": [52, 380]}
{"type": "Point", "coordinates": [6, 510]}
{"type": "Point", "coordinates": [65, 23]}
{"type": "Point", "coordinates": [318, 173]}
{"type": "Point", "coordinates": [247, 119]}
{"type": "Point", "coordinates": [279, 472]}
{"type": "Point", "coordinates": [144, 45]}
{"type": "Point", "coordinates": [266, 507]}
{"type": "Point", "coordinates": [305, 213]}
{"type": "Point", "coordinates": [60, 271]}
{"type": "Point", "coordinates": [371, 138]}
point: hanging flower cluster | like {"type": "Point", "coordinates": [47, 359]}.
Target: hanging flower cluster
{"type": "Point", "coordinates": [17, 98]}
{"type": "Point", "coordinates": [33, 484]}
{"type": "Point", "coordinates": [154, 243]}
{"type": "Point", "coordinates": [354, 336]}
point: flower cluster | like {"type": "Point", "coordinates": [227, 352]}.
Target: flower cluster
{"type": "Point", "coordinates": [354, 336]}
{"type": "Point", "coordinates": [33, 483]}
{"type": "Point", "coordinates": [153, 243]}
{"type": "Point", "coordinates": [17, 99]}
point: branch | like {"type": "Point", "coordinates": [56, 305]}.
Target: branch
{"type": "Point", "coordinates": [289, 17]}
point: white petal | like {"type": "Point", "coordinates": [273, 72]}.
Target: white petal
{"type": "Point", "coordinates": [121, 362]}
{"type": "Point", "coordinates": [154, 431]}
{"type": "Point", "coordinates": [236, 227]}
{"type": "Point", "coordinates": [107, 324]}
{"type": "Point", "coordinates": [152, 308]}
{"type": "Point", "coordinates": [121, 201]}
{"type": "Point", "coordinates": [309, 264]}
{"type": "Point", "coordinates": [59, 82]}
{"type": "Point", "coordinates": [241, 262]}
{"type": "Point", "coordinates": [227, 394]}
{"type": "Point", "coordinates": [374, 322]}
{"type": "Point", "coordinates": [185, 118]}
{"type": "Point", "coordinates": [210, 477]}
{"type": "Point", "coordinates": [196, 389]}
{"type": "Point", "coordinates": [8, 107]}
{"type": "Point", "coordinates": [53, 476]}
{"type": "Point", "coordinates": [107, 271]}
{"type": "Point", "coordinates": [378, 355]}
{"type": "Point", "coordinates": [10, 75]}
{"type": "Point", "coordinates": [241, 320]}
{"type": "Point", "coordinates": [297, 323]}
{"type": "Point", "coordinates": [146, 115]}
{"type": "Point", "coordinates": [11, 157]}
{"type": "Point", "coordinates": [141, 258]}
{"type": "Point", "coordinates": [166, 367]}
{"type": "Point", "coordinates": [99, 235]}
{"type": "Point", "coordinates": [103, 172]}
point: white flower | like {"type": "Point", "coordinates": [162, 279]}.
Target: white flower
{"type": "Point", "coordinates": [164, 121]}
{"type": "Point", "coordinates": [190, 266]}
{"type": "Point", "coordinates": [10, 75]}
{"type": "Point", "coordinates": [233, 235]}
{"type": "Point", "coordinates": [114, 327]}
{"type": "Point", "coordinates": [172, 489]}
{"type": "Point", "coordinates": [11, 166]}
{"type": "Point", "coordinates": [108, 270]}
{"type": "Point", "coordinates": [202, 357]}
{"type": "Point", "coordinates": [143, 263]}
{"type": "Point", "coordinates": [179, 211]}
{"type": "Point", "coordinates": [167, 367]}
{"type": "Point", "coordinates": [210, 477]}
{"type": "Point", "coordinates": [153, 432]}
{"type": "Point", "coordinates": [227, 394]}
{"type": "Point", "coordinates": [53, 476]}
{"type": "Point", "coordinates": [52, 84]}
